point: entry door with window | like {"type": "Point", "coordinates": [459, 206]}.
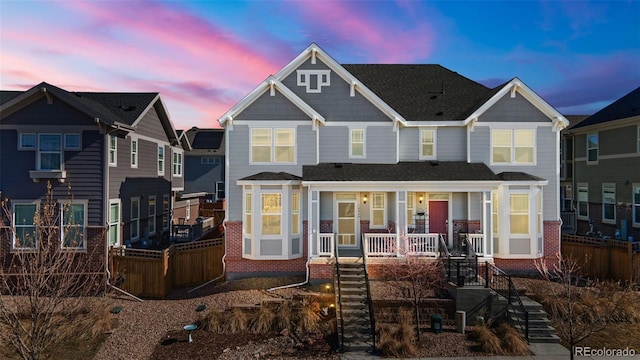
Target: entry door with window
{"type": "Point", "coordinates": [347, 229]}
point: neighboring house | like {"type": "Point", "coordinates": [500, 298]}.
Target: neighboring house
{"type": "Point", "coordinates": [567, 204]}
{"type": "Point", "coordinates": [204, 164]}
{"type": "Point", "coordinates": [606, 170]}
{"type": "Point", "coordinates": [400, 156]}
{"type": "Point", "coordinates": [116, 153]}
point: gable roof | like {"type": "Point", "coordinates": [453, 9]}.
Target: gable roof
{"type": "Point", "coordinates": [205, 138]}
{"type": "Point", "coordinates": [114, 109]}
{"type": "Point", "coordinates": [421, 92]}
{"type": "Point", "coordinates": [625, 107]}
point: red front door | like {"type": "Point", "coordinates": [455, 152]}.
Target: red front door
{"type": "Point", "coordinates": [438, 216]}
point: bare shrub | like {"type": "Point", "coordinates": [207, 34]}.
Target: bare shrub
{"type": "Point", "coordinates": [309, 316]}
{"type": "Point", "coordinates": [214, 321]}
{"type": "Point", "coordinates": [263, 322]}
{"type": "Point", "coordinates": [236, 320]}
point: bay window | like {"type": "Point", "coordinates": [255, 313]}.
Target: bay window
{"type": "Point", "coordinates": [271, 214]}
{"type": "Point", "coordinates": [519, 216]}
{"type": "Point", "coordinates": [295, 213]}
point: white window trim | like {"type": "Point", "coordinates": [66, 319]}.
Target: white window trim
{"type": "Point", "coordinates": [364, 143]}
{"type": "Point", "coordinates": [323, 79]}
{"type": "Point", "coordinates": [177, 155]}
{"type": "Point", "coordinates": [85, 204]}
{"type": "Point", "coordinates": [512, 161]}
{"type": "Point", "coordinates": [593, 162]}
{"type": "Point", "coordinates": [117, 224]}
{"type": "Point", "coordinates": [220, 187]}
{"type": "Point", "coordinates": [134, 153]}
{"type": "Point", "coordinates": [135, 217]}
{"type": "Point", "coordinates": [152, 220]}
{"type": "Point", "coordinates": [636, 206]}
{"type": "Point", "coordinates": [166, 213]}
{"type": "Point", "coordinates": [160, 164]}
{"type": "Point", "coordinates": [298, 212]}
{"type": "Point", "coordinates": [615, 215]}
{"type": "Point", "coordinates": [35, 142]}
{"type": "Point", "coordinates": [39, 153]}
{"type": "Point", "coordinates": [385, 221]}
{"type": "Point", "coordinates": [13, 224]}
{"type": "Point", "coordinates": [435, 141]}
{"type": "Point", "coordinates": [247, 210]}
{"type": "Point", "coordinates": [272, 155]}
{"type": "Point", "coordinates": [66, 147]}
{"type": "Point", "coordinates": [187, 210]}
{"type": "Point", "coordinates": [582, 185]}
{"type": "Point", "coordinates": [114, 150]}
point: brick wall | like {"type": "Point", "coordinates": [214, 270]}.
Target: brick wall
{"type": "Point", "coordinates": [551, 248]}
{"type": "Point", "coordinates": [595, 214]}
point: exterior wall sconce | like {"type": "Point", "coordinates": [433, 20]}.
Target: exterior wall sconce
{"type": "Point", "coordinates": [420, 199]}
{"type": "Point", "coordinates": [365, 198]}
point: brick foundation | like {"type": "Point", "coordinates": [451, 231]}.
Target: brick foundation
{"type": "Point", "coordinates": [551, 248]}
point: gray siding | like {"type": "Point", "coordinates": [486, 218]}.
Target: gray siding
{"type": "Point", "coordinates": [199, 177]}
{"type": "Point", "coordinates": [616, 171]}
{"type": "Point", "coordinates": [41, 113]}
{"type": "Point", "coordinates": [516, 109]}
{"type": "Point", "coordinates": [409, 144]}
{"type": "Point", "coordinates": [451, 144]}
{"type": "Point", "coordinates": [177, 181]}
{"type": "Point", "coordinates": [276, 107]}
{"type": "Point", "coordinates": [238, 156]}
{"type": "Point", "coordinates": [622, 140]}
{"type": "Point", "coordinates": [151, 126]}
{"type": "Point", "coordinates": [380, 143]}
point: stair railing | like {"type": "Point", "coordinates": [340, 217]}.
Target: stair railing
{"type": "Point", "coordinates": [500, 282]}
{"type": "Point", "coordinates": [372, 318]}
{"type": "Point", "coordinates": [443, 246]}
{"type": "Point", "coordinates": [337, 266]}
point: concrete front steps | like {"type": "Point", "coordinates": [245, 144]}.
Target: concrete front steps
{"type": "Point", "coordinates": [352, 305]}
{"type": "Point", "coordinates": [540, 329]}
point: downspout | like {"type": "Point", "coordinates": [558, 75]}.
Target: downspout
{"type": "Point", "coordinates": [306, 281]}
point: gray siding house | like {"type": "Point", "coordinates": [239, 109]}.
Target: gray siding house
{"type": "Point", "coordinates": [204, 164]}
{"type": "Point", "coordinates": [603, 174]}
{"type": "Point", "coordinates": [387, 160]}
{"type": "Point", "coordinates": [117, 154]}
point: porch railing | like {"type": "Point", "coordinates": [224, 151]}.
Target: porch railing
{"type": "Point", "coordinates": [326, 244]}
{"type": "Point", "coordinates": [380, 245]}
{"type": "Point", "coordinates": [476, 241]}
{"type": "Point", "coordinates": [568, 221]}
{"type": "Point", "coordinates": [422, 244]}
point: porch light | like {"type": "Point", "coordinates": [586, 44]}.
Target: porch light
{"type": "Point", "coordinates": [365, 198]}
{"type": "Point", "coordinates": [420, 199]}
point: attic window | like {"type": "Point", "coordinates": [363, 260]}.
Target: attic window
{"type": "Point", "coordinates": [314, 80]}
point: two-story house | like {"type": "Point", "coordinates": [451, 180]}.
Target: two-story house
{"type": "Point", "coordinates": [204, 163]}
{"type": "Point", "coordinates": [115, 156]}
{"type": "Point", "coordinates": [603, 170]}
{"type": "Point", "coordinates": [397, 159]}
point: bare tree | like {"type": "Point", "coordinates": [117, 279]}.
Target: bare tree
{"type": "Point", "coordinates": [415, 278]}
{"type": "Point", "coordinates": [580, 311]}
{"type": "Point", "coordinates": [48, 290]}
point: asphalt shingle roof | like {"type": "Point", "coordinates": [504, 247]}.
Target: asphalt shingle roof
{"type": "Point", "coordinates": [518, 176]}
{"type": "Point", "coordinates": [403, 171]}
{"type": "Point", "coordinates": [205, 138]}
{"type": "Point", "coordinates": [422, 92]}
{"type": "Point", "coordinates": [271, 176]}
{"type": "Point", "coordinates": [626, 106]}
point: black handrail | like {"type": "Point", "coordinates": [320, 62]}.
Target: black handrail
{"type": "Point", "coordinates": [500, 282]}
{"type": "Point", "coordinates": [335, 251]}
{"type": "Point", "coordinates": [372, 318]}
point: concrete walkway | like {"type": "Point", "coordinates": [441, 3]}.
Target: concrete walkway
{"type": "Point", "coordinates": [541, 351]}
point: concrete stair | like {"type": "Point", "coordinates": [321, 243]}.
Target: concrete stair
{"type": "Point", "coordinates": [352, 304]}
{"type": "Point", "coordinates": [540, 329]}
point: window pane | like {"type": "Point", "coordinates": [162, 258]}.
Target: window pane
{"type": "Point", "coordinates": [271, 203]}
{"type": "Point", "coordinates": [73, 236]}
{"type": "Point", "coordinates": [524, 155]}
{"type": "Point", "coordinates": [72, 141]}
{"type": "Point", "coordinates": [73, 214]}
{"type": "Point", "coordinates": [519, 224]}
{"type": "Point", "coordinates": [378, 218]}
{"type": "Point", "coordinates": [346, 210]}
{"type": "Point", "coordinates": [284, 153]}
{"type": "Point", "coordinates": [357, 149]}
{"type": "Point", "coordinates": [261, 137]}
{"type": "Point", "coordinates": [270, 224]}
{"type": "Point", "coordinates": [501, 138]}
{"type": "Point", "coordinates": [427, 150]}
{"type": "Point", "coordinates": [261, 153]}
{"type": "Point", "coordinates": [50, 142]}
{"type": "Point", "coordinates": [523, 138]}
{"type": "Point", "coordinates": [357, 135]}
{"type": "Point", "coordinates": [501, 155]}
{"type": "Point", "coordinates": [284, 137]}
{"type": "Point", "coordinates": [50, 161]}
{"type": "Point", "coordinates": [519, 203]}
{"type": "Point", "coordinates": [427, 136]}
{"type": "Point", "coordinates": [28, 141]}
{"type": "Point", "coordinates": [24, 214]}
{"type": "Point", "coordinates": [114, 213]}
{"type": "Point", "coordinates": [25, 237]}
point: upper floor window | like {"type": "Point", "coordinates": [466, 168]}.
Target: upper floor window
{"type": "Point", "coordinates": [50, 152]}
{"type": "Point", "coordinates": [25, 235]}
{"type": "Point", "coordinates": [314, 80]}
{"type": "Point", "coordinates": [73, 225]}
{"type": "Point", "coordinates": [583, 201]}
{"type": "Point", "coordinates": [636, 205]}
{"type": "Point", "coordinates": [272, 145]}
{"type": "Point", "coordinates": [113, 150]}
{"type": "Point", "coordinates": [177, 164]}
{"type": "Point", "coordinates": [27, 141]}
{"type": "Point", "coordinates": [210, 160]}
{"type": "Point", "coordinates": [512, 146]}
{"type": "Point", "coordinates": [134, 153]}
{"type": "Point", "coordinates": [592, 148]}
{"type": "Point", "coordinates": [356, 144]}
{"type": "Point", "coordinates": [427, 144]}
{"type": "Point", "coordinates": [72, 141]}
{"type": "Point", "coordinates": [378, 213]}
{"type": "Point", "coordinates": [114, 222]}
{"type": "Point", "coordinates": [609, 203]}
{"type": "Point", "coordinates": [160, 160]}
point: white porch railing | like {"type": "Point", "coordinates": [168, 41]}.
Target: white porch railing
{"type": "Point", "coordinates": [477, 243]}
{"type": "Point", "coordinates": [325, 244]}
{"type": "Point", "coordinates": [380, 244]}
{"type": "Point", "coordinates": [422, 244]}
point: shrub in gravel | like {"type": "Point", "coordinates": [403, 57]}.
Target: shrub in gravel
{"type": "Point", "coordinates": [284, 317]}
{"type": "Point", "coordinates": [213, 321]}
{"type": "Point", "coordinates": [309, 316]}
{"type": "Point", "coordinates": [235, 321]}
{"type": "Point", "coordinates": [263, 322]}
{"type": "Point", "coordinates": [398, 340]}
{"type": "Point", "coordinates": [489, 341]}
{"type": "Point", "coordinates": [512, 342]}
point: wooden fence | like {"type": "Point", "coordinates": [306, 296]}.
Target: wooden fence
{"type": "Point", "coordinates": [154, 273]}
{"type": "Point", "coordinates": [604, 258]}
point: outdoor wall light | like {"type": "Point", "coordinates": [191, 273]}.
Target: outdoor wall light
{"type": "Point", "coordinates": [365, 198]}
{"type": "Point", "coordinates": [420, 199]}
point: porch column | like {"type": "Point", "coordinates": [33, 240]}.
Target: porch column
{"type": "Point", "coordinates": [486, 224]}
{"type": "Point", "coordinates": [401, 214]}
{"type": "Point", "coordinates": [314, 221]}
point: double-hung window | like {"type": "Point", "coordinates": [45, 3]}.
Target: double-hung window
{"type": "Point", "coordinates": [24, 222]}
{"type": "Point", "coordinates": [272, 145]}
{"type": "Point", "coordinates": [519, 217]}
{"type": "Point", "coordinates": [609, 203]}
{"type": "Point", "coordinates": [134, 225]}
{"type": "Point", "coordinates": [592, 148]}
{"type": "Point", "coordinates": [165, 212]}
{"type": "Point", "coordinates": [27, 141]}
{"type": "Point", "coordinates": [177, 164]}
{"type": "Point", "coordinates": [636, 204]}
{"type": "Point", "coordinates": [151, 222]}
{"type": "Point", "coordinates": [114, 222]}
{"type": "Point", "coordinates": [134, 153]}
{"type": "Point", "coordinates": [50, 152]}
{"type": "Point", "coordinates": [513, 146]}
{"type": "Point", "coordinates": [73, 225]}
{"type": "Point", "coordinates": [295, 213]}
{"type": "Point", "coordinates": [247, 214]}
{"type": "Point", "coordinates": [356, 144]}
{"type": "Point", "coordinates": [113, 150]}
{"type": "Point", "coordinates": [271, 214]}
{"type": "Point", "coordinates": [378, 214]}
{"type": "Point", "coordinates": [427, 144]}
{"type": "Point", "coordinates": [411, 205]}
{"type": "Point", "coordinates": [583, 201]}
{"type": "Point", "coordinates": [160, 160]}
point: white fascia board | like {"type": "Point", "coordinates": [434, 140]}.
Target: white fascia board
{"type": "Point", "coordinates": [516, 85]}
{"type": "Point", "coordinates": [451, 123]}
{"type": "Point", "coordinates": [314, 50]}
{"type": "Point", "coordinates": [429, 186]}
{"type": "Point", "coordinates": [265, 86]}
{"type": "Point", "coordinates": [268, 182]}
{"type": "Point", "coordinates": [527, 183]}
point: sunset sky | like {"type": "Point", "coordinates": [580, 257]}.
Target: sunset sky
{"type": "Point", "coordinates": [204, 56]}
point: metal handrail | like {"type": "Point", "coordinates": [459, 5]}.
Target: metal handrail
{"type": "Point", "coordinates": [335, 250]}
{"type": "Point", "coordinates": [511, 293]}
{"type": "Point", "coordinates": [372, 319]}
{"type": "Point", "coordinates": [443, 245]}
